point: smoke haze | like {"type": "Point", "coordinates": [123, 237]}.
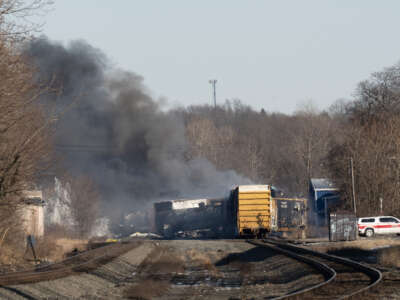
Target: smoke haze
{"type": "Point", "coordinates": [116, 133]}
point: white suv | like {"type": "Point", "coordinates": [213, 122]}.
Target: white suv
{"type": "Point", "coordinates": [378, 225]}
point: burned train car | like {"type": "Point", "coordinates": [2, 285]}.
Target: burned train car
{"type": "Point", "coordinates": [255, 211]}
{"type": "Point", "coordinates": [198, 218]}
{"type": "Point", "coordinates": [249, 211]}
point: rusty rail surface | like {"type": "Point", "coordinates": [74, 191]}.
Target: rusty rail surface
{"type": "Point", "coordinates": [313, 258]}
{"type": "Point", "coordinates": [81, 263]}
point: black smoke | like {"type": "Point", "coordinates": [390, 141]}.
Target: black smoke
{"type": "Point", "coordinates": [113, 130]}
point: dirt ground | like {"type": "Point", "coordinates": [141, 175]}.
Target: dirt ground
{"type": "Point", "coordinates": [381, 252]}
{"type": "Point", "coordinates": [180, 269]}
{"type": "Point", "coordinates": [361, 243]}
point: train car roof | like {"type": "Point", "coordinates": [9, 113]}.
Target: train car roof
{"type": "Point", "coordinates": [253, 188]}
{"type": "Point", "coordinates": [322, 184]}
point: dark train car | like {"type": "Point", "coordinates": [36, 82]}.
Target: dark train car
{"type": "Point", "coordinates": [190, 218]}
{"type": "Point", "coordinates": [290, 214]}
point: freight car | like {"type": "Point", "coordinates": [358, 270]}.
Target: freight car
{"type": "Point", "coordinates": [190, 218]}
{"type": "Point", "coordinates": [255, 211]}
{"type": "Point", "coordinates": [250, 210]}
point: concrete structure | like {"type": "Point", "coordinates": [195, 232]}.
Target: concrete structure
{"type": "Point", "coordinates": [32, 213]}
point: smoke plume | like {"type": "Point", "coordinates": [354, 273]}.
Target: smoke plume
{"type": "Point", "coordinates": [114, 131]}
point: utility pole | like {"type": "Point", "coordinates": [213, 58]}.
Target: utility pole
{"type": "Point", "coordinates": [213, 82]}
{"type": "Point", "coordinates": [352, 184]}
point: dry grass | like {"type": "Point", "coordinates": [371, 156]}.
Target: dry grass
{"type": "Point", "coordinates": [11, 258]}
{"type": "Point", "coordinates": [389, 257]}
{"type": "Point", "coordinates": [58, 242]}
{"type": "Point", "coordinates": [387, 249]}
{"type": "Point", "coordinates": [362, 244]}
{"type": "Point", "coordinates": [12, 249]}
{"type": "Point", "coordinates": [367, 244]}
{"type": "Point", "coordinates": [54, 249]}
{"type": "Point", "coordinates": [44, 248]}
{"type": "Point", "coordinates": [97, 239]}
{"type": "Point", "coordinates": [146, 290]}
{"type": "Point", "coordinates": [58, 231]}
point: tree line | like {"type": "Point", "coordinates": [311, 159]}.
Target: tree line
{"type": "Point", "coordinates": [358, 137]}
{"type": "Point", "coordinates": [369, 134]}
{"type": "Point", "coordinates": [267, 147]}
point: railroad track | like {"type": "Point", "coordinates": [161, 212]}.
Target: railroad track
{"type": "Point", "coordinates": [80, 263]}
{"type": "Point", "coordinates": [344, 278]}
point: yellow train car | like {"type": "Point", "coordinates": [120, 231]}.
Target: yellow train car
{"type": "Point", "coordinates": [252, 208]}
{"type": "Point", "coordinates": [256, 212]}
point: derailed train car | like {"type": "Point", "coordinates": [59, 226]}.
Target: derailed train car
{"type": "Point", "coordinates": [190, 218]}
{"type": "Point", "coordinates": [256, 212]}
{"type": "Point", "coordinates": [251, 210]}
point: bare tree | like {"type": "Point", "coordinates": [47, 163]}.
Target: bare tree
{"type": "Point", "coordinates": [266, 147]}
{"type": "Point", "coordinates": [25, 143]}
{"type": "Point", "coordinates": [311, 143]}
{"type": "Point", "coordinates": [202, 135]}
{"type": "Point", "coordinates": [17, 18]}
{"type": "Point", "coordinates": [24, 129]}
{"type": "Point", "coordinates": [371, 134]}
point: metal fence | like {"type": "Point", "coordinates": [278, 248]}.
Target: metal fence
{"type": "Point", "coordinates": [342, 227]}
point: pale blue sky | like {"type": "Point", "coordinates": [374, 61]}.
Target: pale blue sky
{"type": "Point", "coordinates": [270, 54]}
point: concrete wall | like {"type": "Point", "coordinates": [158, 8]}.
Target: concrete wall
{"type": "Point", "coordinates": [32, 213]}
{"type": "Point", "coordinates": [33, 218]}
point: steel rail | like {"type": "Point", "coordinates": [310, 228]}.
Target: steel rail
{"type": "Point", "coordinates": [61, 263]}
{"type": "Point", "coordinates": [66, 267]}
{"type": "Point", "coordinates": [328, 272]}
{"type": "Point", "coordinates": [374, 274]}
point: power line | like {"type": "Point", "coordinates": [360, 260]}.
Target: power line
{"type": "Point", "coordinates": [84, 148]}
